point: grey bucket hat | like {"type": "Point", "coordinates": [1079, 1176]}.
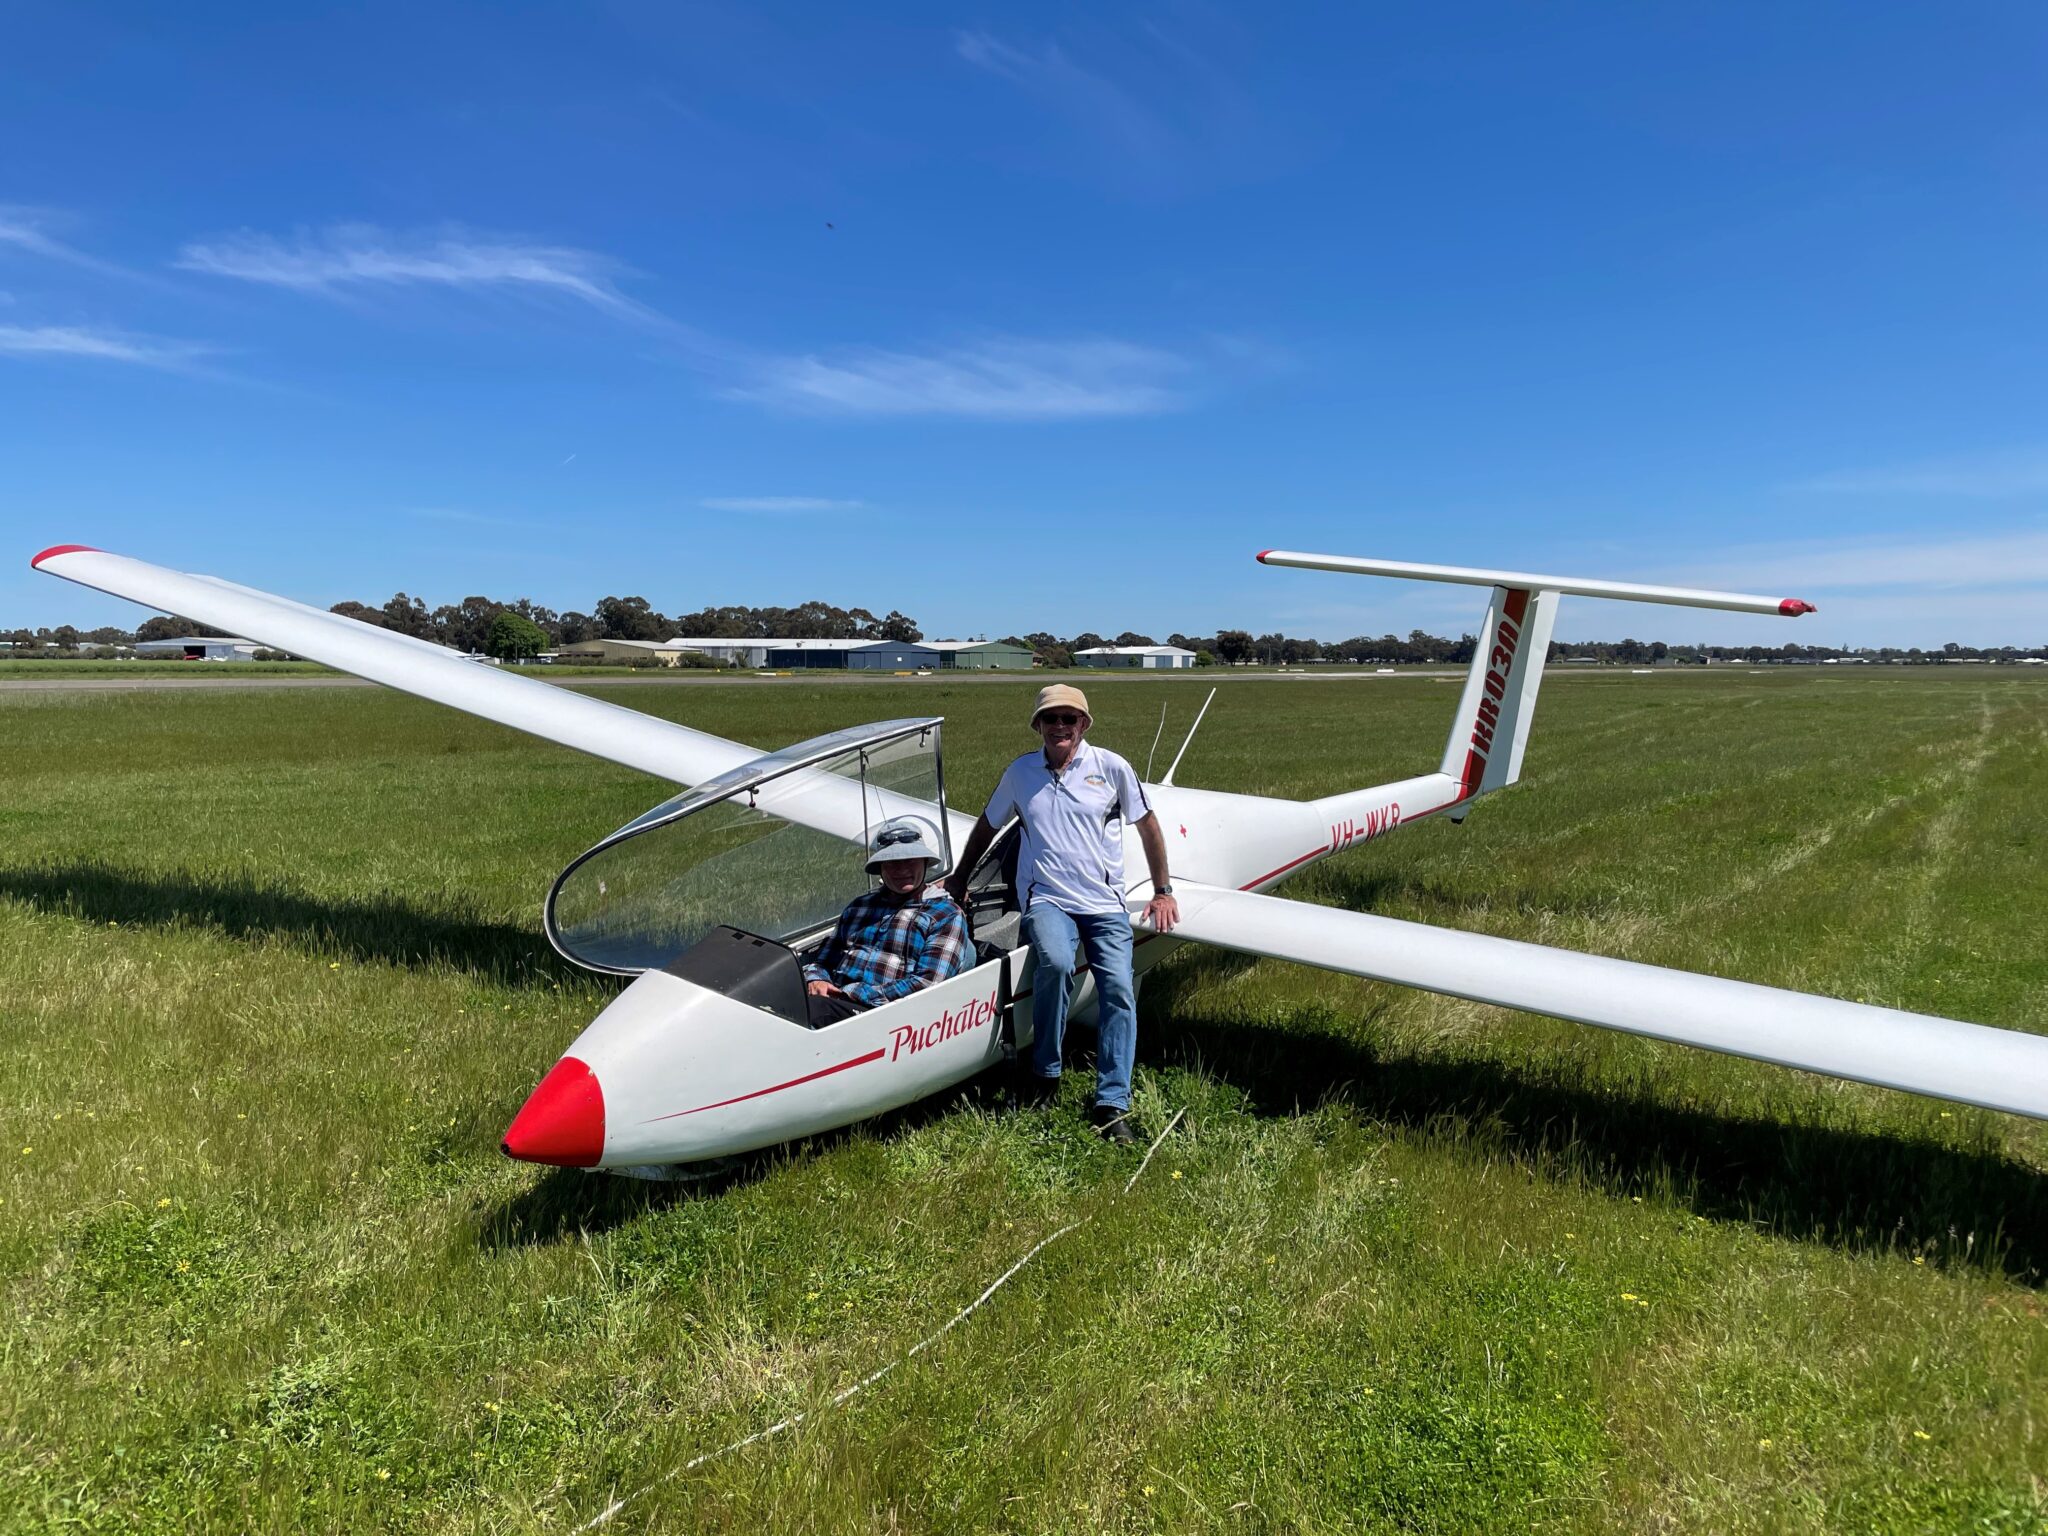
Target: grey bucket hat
{"type": "Point", "coordinates": [904, 837]}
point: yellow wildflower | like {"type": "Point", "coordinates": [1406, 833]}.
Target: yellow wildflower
{"type": "Point", "coordinates": [163, 1202]}
{"type": "Point", "coordinates": [1921, 1434]}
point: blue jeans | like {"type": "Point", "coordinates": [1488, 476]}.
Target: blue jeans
{"type": "Point", "coordinates": [1053, 935]}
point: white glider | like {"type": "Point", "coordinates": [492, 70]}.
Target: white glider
{"type": "Point", "coordinates": [709, 900]}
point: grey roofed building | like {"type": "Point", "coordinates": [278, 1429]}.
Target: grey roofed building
{"type": "Point", "coordinates": [1152, 656]}
{"type": "Point", "coordinates": [202, 648]}
{"type": "Point", "coordinates": [982, 655]}
{"type": "Point", "coordinates": [852, 655]}
{"type": "Point", "coordinates": [742, 652]}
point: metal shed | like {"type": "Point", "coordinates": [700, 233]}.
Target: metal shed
{"type": "Point", "coordinates": [851, 655]}
{"type": "Point", "coordinates": [201, 648]}
{"type": "Point", "coordinates": [982, 655]}
{"type": "Point", "coordinates": [1148, 656]}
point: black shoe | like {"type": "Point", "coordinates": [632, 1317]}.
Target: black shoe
{"type": "Point", "coordinates": [1032, 1091]}
{"type": "Point", "coordinates": [1115, 1125]}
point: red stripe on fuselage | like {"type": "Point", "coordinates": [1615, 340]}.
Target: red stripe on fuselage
{"type": "Point", "coordinates": [1290, 864]}
{"type": "Point", "coordinates": [809, 1077]}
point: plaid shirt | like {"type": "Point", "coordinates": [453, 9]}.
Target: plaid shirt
{"type": "Point", "coordinates": [888, 946]}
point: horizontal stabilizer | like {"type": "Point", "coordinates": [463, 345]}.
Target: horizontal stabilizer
{"type": "Point", "coordinates": [1628, 591]}
{"type": "Point", "coordinates": [1946, 1058]}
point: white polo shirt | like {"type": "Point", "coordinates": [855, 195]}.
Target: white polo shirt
{"type": "Point", "coordinates": [1072, 853]}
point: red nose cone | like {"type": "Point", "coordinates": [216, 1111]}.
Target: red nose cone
{"type": "Point", "coordinates": [563, 1121]}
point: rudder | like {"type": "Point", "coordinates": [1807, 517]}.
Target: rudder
{"type": "Point", "coordinates": [1491, 730]}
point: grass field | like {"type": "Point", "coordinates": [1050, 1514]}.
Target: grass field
{"type": "Point", "coordinates": [273, 984]}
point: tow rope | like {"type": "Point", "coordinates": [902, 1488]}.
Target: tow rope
{"type": "Point", "coordinates": [617, 1505]}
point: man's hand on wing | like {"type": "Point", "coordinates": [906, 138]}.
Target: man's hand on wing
{"type": "Point", "coordinates": [1161, 913]}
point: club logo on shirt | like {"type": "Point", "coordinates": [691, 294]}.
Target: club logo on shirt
{"type": "Point", "coordinates": [1096, 779]}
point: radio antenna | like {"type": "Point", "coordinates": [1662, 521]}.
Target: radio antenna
{"type": "Point", "coordinates": [1183, 752]}
{"type": "Point", "coordinates": [1155, 739]}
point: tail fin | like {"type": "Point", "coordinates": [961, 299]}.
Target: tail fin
{"type": "Point", "coordinates": [1499, 700]}
{"type": "Point", "coordinates": [1491, 729]}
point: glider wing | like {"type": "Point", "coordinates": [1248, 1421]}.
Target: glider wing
{"type": "Point", "coordinates": [659, 747]}
{"type": "Point", "coordinates": [1945, 1058]}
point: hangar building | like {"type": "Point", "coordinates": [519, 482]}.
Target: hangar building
{"type": "Point", "coordinates": [201, 648]}
{"type": "Point", "coordinates": [1135, 656]}
{"type": "Point", "coordinates": [852, 655]}
{"type": "Point", "coordinates": [982, 655]}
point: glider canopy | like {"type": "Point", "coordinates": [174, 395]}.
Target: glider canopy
{"type": "Point", "coordinates": [731, 853]}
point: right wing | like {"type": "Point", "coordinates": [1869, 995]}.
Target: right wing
{"type": "Point", "coordinates": [659, 747]}
{"type": "Point", "coordinates": [1946, 1058]}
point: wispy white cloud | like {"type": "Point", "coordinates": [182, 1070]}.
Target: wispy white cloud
{"type": "Point", "coordinates": [29, 230]}
{"type": "Point", "coordinates": [105, 344]}
{"type": "Point", "coordinates": [1003, 379]}
{"type": "Point", "coordinates": [352, 257]}
{"type": "Point", "coordinates": [1802, 568]}
{"type": "Point", "coordinates": [996, 378]}
{"type": "Point", "coordinates": [1096, 103]}
{"type": "Point", "coordinates": [1157, 112]}
{"type": "Point", "coordinates": [779, 504]}
{"type": "Point", "coordinates": [2015, 472]}
{"type": "Point", "coordinates": [25, 230]}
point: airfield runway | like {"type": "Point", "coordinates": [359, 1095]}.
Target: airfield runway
{"type": "Point", "coordinates": [105, 683]}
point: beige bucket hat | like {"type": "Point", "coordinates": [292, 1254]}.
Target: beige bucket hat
{"type": "Point", "coordinates": [1060, 696]}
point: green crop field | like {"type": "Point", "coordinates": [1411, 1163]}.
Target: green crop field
{"type": "Point", "coordinates": [273, 984]}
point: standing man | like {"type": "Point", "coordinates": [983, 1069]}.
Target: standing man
{"type": "Point", "coordinates": [1074, 800]}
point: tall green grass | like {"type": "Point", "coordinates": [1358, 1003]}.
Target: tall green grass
{"type": "Point", "coordinates": [272, 984]}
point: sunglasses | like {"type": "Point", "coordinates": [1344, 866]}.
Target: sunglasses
{"type": "Point", "coordinates": [1062, 717]}
{"type": "Point", "coordinates": [895, 835]}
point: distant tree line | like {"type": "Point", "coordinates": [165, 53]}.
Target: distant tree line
{"type": "Point", "coordinates": [524, 628]}
{"type": "Point", "coordinates": [467, 625]}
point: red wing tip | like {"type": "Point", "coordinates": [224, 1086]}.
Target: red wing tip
{"type": "Point", "coordinates": [1792, 607]}
{"type": "Point", "coordinates": [1261, 556]}
{"type": "Point", "coordinates": [63, 549]}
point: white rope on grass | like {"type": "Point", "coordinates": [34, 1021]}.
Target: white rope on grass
{"type": "Point", "coordinates": [923, 1344]}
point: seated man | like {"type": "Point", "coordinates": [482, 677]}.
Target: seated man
{"type": "Point", "coordinates": [891, 941]}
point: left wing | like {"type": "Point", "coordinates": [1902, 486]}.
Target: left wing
{"type": "Point", "coordinates": [1946, 1058]}
{"type": "Point", "coordinates": [660, 747]}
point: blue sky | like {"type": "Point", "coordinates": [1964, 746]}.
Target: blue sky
{"type": "Point", "coordinates": [1035, 317]}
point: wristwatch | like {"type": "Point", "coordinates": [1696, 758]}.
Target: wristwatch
{"type": "Point", "coordinates": [1162, 890]}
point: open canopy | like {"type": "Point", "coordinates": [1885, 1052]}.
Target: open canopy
{"type": "Point", "coordinates": [776, 846]}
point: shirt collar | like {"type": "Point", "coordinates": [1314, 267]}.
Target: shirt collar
{"type": "Point", "coordinates": [1080, 751]}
